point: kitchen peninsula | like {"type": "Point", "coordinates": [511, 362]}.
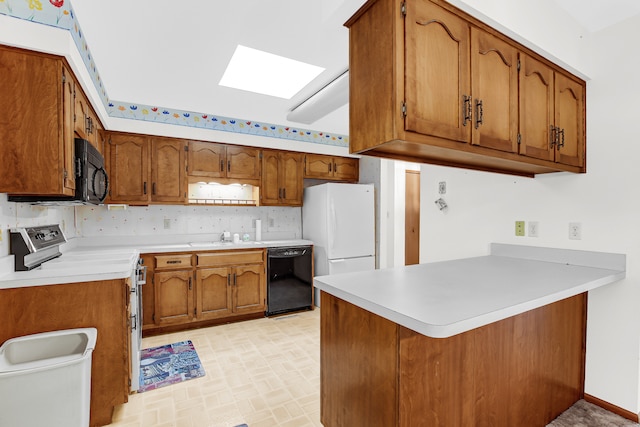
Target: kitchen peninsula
{"type": "Point", "coordinates": [495, 340]}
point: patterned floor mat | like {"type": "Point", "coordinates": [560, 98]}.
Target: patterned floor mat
{"type": "Point", "coordinates": [169, 364]}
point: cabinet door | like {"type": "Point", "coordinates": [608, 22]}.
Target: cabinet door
{"type": "Point", "coordinates": [536, 108]}
{"type": "Point", "coordinates": [436, 72]}
{"type": "Point", "coordinates": [206, 159]}
{"type": "Point", "coordinates": [128, 168]}
{"type": "Point", "coordinates": [168, 170]}
{"type": "Point", "coordinates": [68, 138]}
{"type": "Point", "coordinates": [569, 118]}
{"type": "Point", "coordinates": [291, 178]}
{"type": "Point", "coordinates": [214, 293]}
{"type": "Point", "coordinates": [243, 162]}
{"type": "Point", "coordinates": [270, 188]}
{"type": "Point", "coordinates": [173, 297]}
{"type": "Point", "coordinates": [34, 145]}
{"type": "Point", "coordinates": [346, 169]}
{"type": "Point", "coordinates": [494, 87]}
{"type": "Point", "coordinates": [318, 166]}
{"type": "Point", "coordinates": [86, 123]}
{"type": "Point", "coordinates": [249, 289]}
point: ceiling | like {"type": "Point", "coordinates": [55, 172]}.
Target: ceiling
{"type": "Point", "coordinates": [173, 54]}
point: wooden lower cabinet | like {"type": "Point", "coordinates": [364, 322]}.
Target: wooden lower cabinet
{"type": "Point", "coordinates": [173, 297]}
{"type": "Point", "coordinates": [521, 371]}
{"type": "Point", "coordinates": [103, 305]}
{"type": "Point", "coordinates": [186, 290]}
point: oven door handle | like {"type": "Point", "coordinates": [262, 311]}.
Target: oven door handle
{"type": "Point", "coordinates": [134, 322]}
{"type": "Point", "coordinates": [141, 273]}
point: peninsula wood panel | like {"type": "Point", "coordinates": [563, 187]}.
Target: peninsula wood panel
{"type": "Point", "coordinates": [358, 358]}
{"type": "Point", "coordinates": [524, 370]}
{"type": "Point", "coordinates": [102, 305]}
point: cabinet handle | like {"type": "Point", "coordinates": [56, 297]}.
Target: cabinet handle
{"type": "Point", "coordinates": [87, 124]}
{"type": "Point", "coordinates": [228, 165]}
{"type": "Point", "coordinates": [235, 282]}
{"type": "Point", "coordinates": [284, 193]}
{"type": "Point", "coordinates": [479, 113]}
{"type": "Point", "coordinates": [221, 165]}
{"type": "Point", "coordinates": [279, 193]}
{"type": "Point", "coordinates": [144, 188]}
{"type": "Point", "coordinates": [189, 283]}
{"type": "Point", "coordinates": [552, 136]}
{"type": "Point", "coordinates": [466, 109]}
{"type": "Point", "coordinates": [174, 261]}
{"type": "Point", "coordinates": [153, 188]}
{"type": "Point", "coordinates": [329, 167]}
{"type": "Point", "coordinates": [229, 279]}
{"type": "Point", "coordinates": [560, 142]}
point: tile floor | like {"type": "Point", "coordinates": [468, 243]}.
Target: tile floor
{"type": "Point", "coordinates": [263, 372]}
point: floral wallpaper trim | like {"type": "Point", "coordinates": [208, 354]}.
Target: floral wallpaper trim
{"type": "Point", "coordinates": [59, 13]}
{"type": "Point", "coordinates": [213, 122]}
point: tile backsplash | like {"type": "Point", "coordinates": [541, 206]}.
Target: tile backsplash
{"type": "Point", "coordinates": [158, 220]}
{"type": "Point", "coordinates": [277, 222]}
{"type": "Point", "coordinates": [24, 215]}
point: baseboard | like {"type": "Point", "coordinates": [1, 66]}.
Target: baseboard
{"type": "Point", "coordinates": [611, 408]}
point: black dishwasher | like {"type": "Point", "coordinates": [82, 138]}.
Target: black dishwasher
{"type": "Point", "coordinates": [289, 279]}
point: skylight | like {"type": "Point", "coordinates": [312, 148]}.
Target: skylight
{"type": "Point", "coordinates": [262, 72]}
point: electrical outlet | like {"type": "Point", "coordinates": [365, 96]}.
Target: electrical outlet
{"type": "Point", "coordinates": [534, 228]}
{"type": "Point", "coordinates": [442, 187]}
{"type": "Point", "coordinates": [575, 231]}
{"type": "Point", "coordinates": [167, 223]}
{"type": "Point", "coordinates": [519, 228]}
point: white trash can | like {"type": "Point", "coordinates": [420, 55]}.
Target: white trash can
{"type": "Point", "coordinates": [45, 379]}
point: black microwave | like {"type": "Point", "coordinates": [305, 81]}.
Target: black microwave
{"type": "Point", "coordinates": [92, 182]}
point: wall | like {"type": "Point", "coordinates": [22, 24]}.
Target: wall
{"type": "Point", "coordinates": [277, 222]}
{"type": "Point", "coordinates": [484, 206]}
{"type": "Point", "coordinates": [23, 215]}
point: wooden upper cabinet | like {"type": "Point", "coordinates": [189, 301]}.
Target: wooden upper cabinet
{"type": "Point", "coordinates": [437, 72]}
{"type": "Point", "coordinates": [36, 126]}
{"type": "Point", "coordinates": [243, 162]}
{"type": "Point", "coordinates": [569, 120]}
{"type": "Point", "coordinates": [282, 178]}
{"type": "Point", "coordinates": [551, 114]}
{"type": "Point", "coordinates": [145, 170]}
{"type": "Point", "coordinates": [209, 159]}
{"type": "Point", "coordinates": [494, 91]}
{"type": "Point", "coordinates": [320, 166]}
{"type": "Point", "coordinates": [291, 173]}
{"type": "Point", "coordinates": [68, 138]}
{"type": "Point", "coordinates": [168, 169]}
{"type": "Point", "coordinates": [86, 123]}
{"type": "Point", "coordinates": [431, 84]}
{"type": "Point", "coordinates": [128, 168]}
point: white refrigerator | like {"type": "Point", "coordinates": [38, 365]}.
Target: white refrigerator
{"type": "Point", "coordinates": [340, 221]}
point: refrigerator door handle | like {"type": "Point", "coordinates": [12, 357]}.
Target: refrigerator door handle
{"type": "Point", "coordinates": [333, 224]}
{"type": "Point", "coordinates": [336, 260]}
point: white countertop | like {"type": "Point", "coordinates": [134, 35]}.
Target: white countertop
{"type": "Point", "coordinates": [446, 298]}
{"type": "Point", "coordinates": [88, 260]}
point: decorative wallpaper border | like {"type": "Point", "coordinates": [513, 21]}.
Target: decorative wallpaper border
{"type": "Point", "coordinates": [59, 13]}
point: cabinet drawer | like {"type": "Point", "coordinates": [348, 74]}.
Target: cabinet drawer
{"type": "Point", "coordinates": [212, 259]}
{"type": "Point", "coordinates": [173, 261]}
